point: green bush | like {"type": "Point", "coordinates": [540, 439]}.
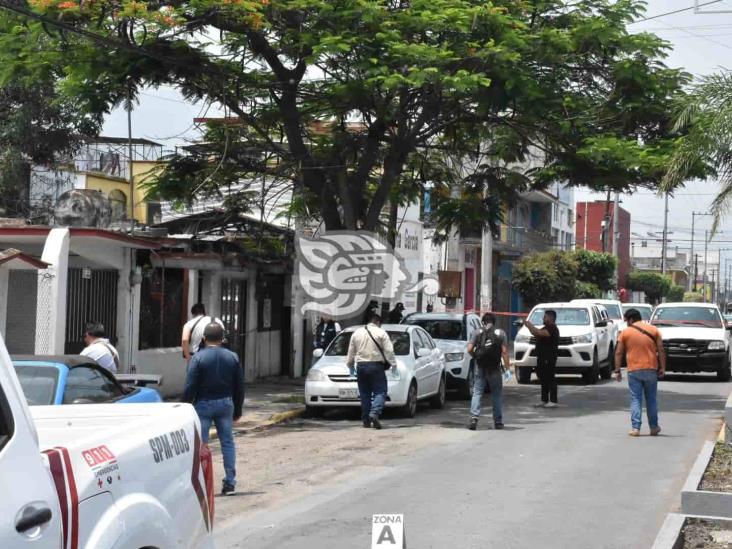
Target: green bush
{"type": "Point", "coordinates": [675, 293]}
{"type": "Point", "coordinates": [692, 297]}
{"type": "Point", "coordinates": [545, 277]}
{"type": "Point", "coordinates": [595, 268]}
{"type": "Point", "coordinates": [587, 290]}
{"type": "Point", "coordinates": [653, 284]}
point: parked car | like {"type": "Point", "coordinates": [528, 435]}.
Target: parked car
{"type": "Point", "coordinates": [101, 476]}
{"type": "Point", "coordinates": [614, 310]}
{"type": "Point", "coordinates": [451, 333]}
{"type": "Point", "coordinates": [728, 319]}
{"type": "Point", "coordinates": [585, 344]}
{"type": "Point", "coordinates": [420, 373]}
{"type": "Point", "coordinates": [645, 310]}
{"type": "Point", "coordinates": [74, 379]}
{"type": "Point", "coordinates": [696, 338]}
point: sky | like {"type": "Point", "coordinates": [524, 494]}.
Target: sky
{"type": "Point", "coordinates": [702, 44]}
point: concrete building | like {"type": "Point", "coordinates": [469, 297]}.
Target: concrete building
{"type": "Point", "coordinates": [563, 232]}
{"type": "Point", "coordinates": [594, 232]}
{"type": "Point", "coordinates": [646, 256]}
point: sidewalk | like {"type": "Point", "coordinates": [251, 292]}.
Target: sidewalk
{"type": "Point", "coordinates": [270, 401]}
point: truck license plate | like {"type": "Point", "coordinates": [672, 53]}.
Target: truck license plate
{"type": "Point", "coordinates": [347, 393]}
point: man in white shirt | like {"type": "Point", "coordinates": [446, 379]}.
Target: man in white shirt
{"type": "Point", "coordinates": [99, 348]}
{"type": "Point", "coordinates": [371, 350]}
{"type": "Point", "coordinates": [193, 330]}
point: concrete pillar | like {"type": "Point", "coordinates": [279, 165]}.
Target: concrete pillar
{"type": "Point", "coordinates": [296, 330]}
{"type": "Point", "coordinates": [4, 278]}
{"type": "Point", "coordinates": [252, 338]}
{"type": "Point", "coordinates": [51, 305]}
{"type": "Point", "coordinates": [486, 272]}
{"type": "Point", "coordinates": [192, 288]}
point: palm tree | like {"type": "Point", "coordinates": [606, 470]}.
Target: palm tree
{"type": "Point", "coordinates": [706, 146]}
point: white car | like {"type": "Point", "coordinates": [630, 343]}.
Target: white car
{"type": "Point", "coordinates": [696, 338]}
{"type": "Point", "coordinates": [614, 310]}
{"type": "Point", "coordinates": [451, 333]}
{"type": "Point", "coordinates": [420, 373]}
{"type": "Point", "coordinates": [645, 310]}
{"type": "Point", "coordinates": [585, 345]}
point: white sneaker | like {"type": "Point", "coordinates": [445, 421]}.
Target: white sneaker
{"type": "Point", "coordinates": [540, 405]}
{"type": "Point", "coordinates": [551, 405]}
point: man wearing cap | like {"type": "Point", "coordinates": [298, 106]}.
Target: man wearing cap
{"type": "Point", "coordinates": [215, 387]}
{"type": "Point", "coordinates": [395, 315]}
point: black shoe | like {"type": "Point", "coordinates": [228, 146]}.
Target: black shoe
{"type": "Point", "coordinates": [227, 490]}
{"type": "Point", "coordinates": [473, 423]}
{"type": "Point", "coordinates": [367, 423]}
{"type": "Point", "coordinates": [498, 425]}
{"type": "Point", "coordinates": [375, 422]}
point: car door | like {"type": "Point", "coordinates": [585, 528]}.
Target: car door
{"type": "Point", "coordinates": [603, 332]}
{"type": "Point", "coordinates": [434, 367]}
{"type": "Point", "coordinates": [421, 363]}
{"type": "Point", "coordinates": [90, 384]}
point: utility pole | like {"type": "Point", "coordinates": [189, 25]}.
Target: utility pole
{"type": "Point", "coordinates": [713, 291]}
{"type": "Point", "coordinates": [665, 235]}
{"type": "Point", "coordinates": [616, 236]}
{"type": "Point", "coordinates": [691, 255]}
{"type": "Point", "coordinates": [696, 270]}
{"type": "Point", "coordinates": [704, 276]}
{"type": "Point", "coordinates": [693, 215]}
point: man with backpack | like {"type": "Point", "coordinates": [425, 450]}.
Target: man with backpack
{"type": "Point", "coordinates": [488, 346]}
{"type": "Point", "coordinates": [547, 350]}
{"type": "Point", "coordinates": [642, 345]}
{"type": "Point", "coordinates": [192, 337]}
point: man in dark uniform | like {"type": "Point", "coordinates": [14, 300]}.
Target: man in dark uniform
{"type": "Point", "coordinates": [547, 349]}
{"type": "Point", "coordinates": [325, 332]}
{"type": "Point", "coordinates": [395, 315]}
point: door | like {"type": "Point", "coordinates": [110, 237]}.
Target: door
{"type": "Point", "coordinates": [233, 314]}
{"type": "Point", "coordinates": [603, 334]}
{"type": "Point", "coordinates": [421, 364]}
{"type": "Point", "coordinates": [29, 506]}
{"type": "Point", "coordinates": [91, 296]}
{"type": "Point", "coordinates": [434, 367]}
{"type": "Point", "coordinates": [469, 289]}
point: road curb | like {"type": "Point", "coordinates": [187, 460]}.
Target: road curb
{"type": "Point", "coordinates": [275, 419]}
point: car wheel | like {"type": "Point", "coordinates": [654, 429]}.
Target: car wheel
{"type": "Point", "coordinates": [314, 411]}
{"type": "Point", "coordinates": [607, 372]}
{"type": "Point", "coordinates": [589, 376]}
{"type": "Point", "coordinates": [523, 375]}
{"type": "Point", "coordinates": [438, 401]}
{"type": "Point", "coordinates": [725, 374]}
{"type": "Point", "coordinates": [466, 390]}
{"type": "Point", "coordinates": [410, 407]}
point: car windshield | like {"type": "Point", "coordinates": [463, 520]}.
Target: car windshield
{"type": "Point", "coordinates": [440, 328]}
{"type": "Point", "coordinates": [705, 317]}
{"type": "Point", "coordinates": [565, 317]}
{"type": "Point", "coordinates": [613, 311]}
{"type": "Point", "coordinates": [339, 346]}
{"type": "Point", "coordinates": [38, 383]}
{"type": "Point", "coordinates": [645, 312]}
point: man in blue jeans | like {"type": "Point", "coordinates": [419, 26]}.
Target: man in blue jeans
{"type": "Point", "coordinates": [488, 346]}
{"type": "Point", "coordinates": [642, 346]}
{"type": "Point", "coordinates": [215, 387]}
{"type": "Point", "coordinates": [372, 351]}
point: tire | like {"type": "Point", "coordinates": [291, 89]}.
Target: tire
{"type": "Point", "coordinates": [438, 401]}
{"type": "Point", "coordinates": [607, 372]}
{"type": "Point", "coordinates": [409, 409]}
{"type": "Point", "coordinates": [589, 376]}
{"type": "Point", "coordinates": [314, 411]}
{"type": "Point", "coordinates": [466, 389]}
{"type": "Point", "coordinates": [523, 375]}
{"type": "Point", "coordinates": [725, 374]}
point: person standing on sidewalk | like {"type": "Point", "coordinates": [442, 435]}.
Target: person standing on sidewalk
{"type": "Point", "coordinates": [372, 352]}
{"type": "Point", "coordinates": [215, 387]}
{"type": "Point", "coordinates": [642, 346]}
{"type": "Point", "coordinates": [488, 346]}
{"type": "Point", "coordinates": [192, 336]}
{"type": "Point", "coordinates": [547, 349]}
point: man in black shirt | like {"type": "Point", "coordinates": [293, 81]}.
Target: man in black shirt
{"type": "Point", "coordinates": [547, 348]}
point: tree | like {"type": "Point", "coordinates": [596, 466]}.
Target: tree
{"type": "Point", "coordinates": [675, 293]}
{"type": "Point", "coordinates": [38, 124]}
{"type": "Point", "coordinates": [705, 115]}
{"type": "Point", "coordinates": [653, 284]}
{"type": "Point", "coordinates": [545, 277]}
{"type": "Point", "coordinates": [595, 268]}
{"type": "Point", "coordinates": [357, 104]}
{"type": "Point", "coordinates": [587, 290]}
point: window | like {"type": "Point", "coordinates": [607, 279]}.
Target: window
{"type": "Point", "coordinates": [426, 339]}
{"type": "Point", "coordinates": [555, 211]}
{"type": "Point", "coordinates": [89, 384]}
{"type": "Point", "coordinates": [161, 288]}
{"type": "Point", "coordinates": [339, 346]}
{"type": "Point", "coordinates": [7, 425]}
{"type": "Point", "coordinates": [703, 317]}
{"type": "Point", "coordinates": [565, 316]}
{"type": "Point", "coordinates": [38, 383]}
{"type": "Point", "coordinates": [418, 343]}
{"type": "Point", "coordinates": [440, 328]}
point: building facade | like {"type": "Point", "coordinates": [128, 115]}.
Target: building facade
{"type": "Point", "coordinates": [595, 230]}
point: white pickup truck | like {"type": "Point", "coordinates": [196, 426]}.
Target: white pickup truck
{"type": "Point", "coordinates": [101, 476]}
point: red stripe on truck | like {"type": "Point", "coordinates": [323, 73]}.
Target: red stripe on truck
{"type": "Point", "coordinates": [59, 481]}
{"type": "Point", "coordinates": [195, 478]}
{"type": "Point", "coordinates": [74, 500]}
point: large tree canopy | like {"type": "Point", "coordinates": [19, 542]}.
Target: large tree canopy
{"type": "Point", "coordinates": [361, 103]}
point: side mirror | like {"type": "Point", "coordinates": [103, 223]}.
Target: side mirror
{"type": "Point", "coordinates": [422, 351]}
{"type": "Point", "coordinates": [518, 323]}
{"type": "Point", "coordinates": [317, 353]}
{"type": "Point", "coordinates": [601, 323]}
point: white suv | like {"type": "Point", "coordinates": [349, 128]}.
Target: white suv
{"type": "Point", "coordinates": [614, 312]}
{"type": "Point", "coordinates": [696, 338]}
{"type": "Point", "coordinates": [585, 342]}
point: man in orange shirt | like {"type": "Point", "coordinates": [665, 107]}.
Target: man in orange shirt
{"type": "Point", "coordinates": [642, 346]}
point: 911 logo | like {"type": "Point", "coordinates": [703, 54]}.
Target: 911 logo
{"type": "Point", "coordinates": [342, 271]}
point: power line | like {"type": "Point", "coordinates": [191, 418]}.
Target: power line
{"type": "Point", "coordinates": [673, 12]}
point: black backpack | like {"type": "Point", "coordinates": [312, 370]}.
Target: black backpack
{"type": "Point", "coordinates": [489, 350]}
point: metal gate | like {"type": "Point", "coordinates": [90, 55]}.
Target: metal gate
{"type": "Point", "coordinates": [91, 296]}
{"type": "Point", "coordinates": [234, 314]}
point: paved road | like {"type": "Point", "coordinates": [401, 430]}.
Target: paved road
{"type": "Point", "coordinates": [564, 478]}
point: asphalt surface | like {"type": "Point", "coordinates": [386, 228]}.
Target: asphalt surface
{"type": "Point", "coordinates": [563, 478]}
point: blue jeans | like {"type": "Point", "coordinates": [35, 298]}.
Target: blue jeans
{"type": "Point", "coordinates": [221, 413]}
{"type": "Point", "coordinates": [643, 383]}
{"type": "Point", "coordinates": [372, 388]}
{"type": "Point", "coordinates": [495, 380]}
